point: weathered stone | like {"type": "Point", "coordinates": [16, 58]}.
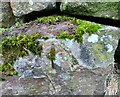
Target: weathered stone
{"type": "Point", "coordinates": [33, 66]}
{"type": "Point", "coordinates": [25, 86]}
{"type": "Point", "coordinates": [22, 8]}
{"type": "Point", "coordinates": [71, 74]}
{"type": "Point", "coordinates": [30, 66]}
{"type": "Point", "coordinates": [96, 50]}
{"type": "Point", "coordinates": [96, 9]}
{"type": "Point", "coordinates": [7, 18]}
{"type": "Point", "coordinates": [83, 81]}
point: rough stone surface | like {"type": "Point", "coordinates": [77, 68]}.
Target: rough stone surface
{"type": "Point", "coordinates": [32, 65]}
{"type": "Point", "coordinates": [90, 54]}
{"type": "Point", "coordinates": [106, 43]}
{"type": "Point", "coordinates": [96, 9]}
{"type": "Point", "coordinates": [82, 81]}
{"type": "Point", "coordinates": [67, 78]}
{"type": "Point", "coordinates": [7, 18]}
{"type": "Point", "coordinates": [22, 8]}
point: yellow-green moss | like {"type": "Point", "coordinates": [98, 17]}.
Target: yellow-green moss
{"type": "Point", "coordinates": [7, 70]}
{"type": "Point", "coordinates": [12, 46]}
{"type": "Point", "coordinates": [82, 28]}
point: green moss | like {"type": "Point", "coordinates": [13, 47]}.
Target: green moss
{"type": "Point", "coordinates": [4, 29]}
{"type": "Point", "coordinates": [74, 61]}
{"type": "Point", "coordinates": [64, 35]}
{"type": "Point", "coordinates": [82, 28]}
{"type": "Point", "coordinates": [12, 46]}
{"type": "Point", "coordinates": [7, 70]}
{"type": "Point", "coordinates": [52, 19]}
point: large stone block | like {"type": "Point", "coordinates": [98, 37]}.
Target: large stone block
{"type": "Point", "coordinates": [22, 8]}
{"type": "Point", "coordinates": [95, 9]}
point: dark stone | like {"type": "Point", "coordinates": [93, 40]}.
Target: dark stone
{"type": "Point", "coordinates": [117, 56]}
{"type": "Point", "coordinates": [85, 56]}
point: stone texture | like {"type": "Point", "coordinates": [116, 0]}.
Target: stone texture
{"type": "Point", "coordinates": [83, 81]}
{"type": "Point", "coordinates": [30, 66]}
{"type": "Point", "coordinates": [95, 9]}
{"type": "Point", "coordinates": [7, 18]}
{"type": "Point", "coordinates": [22, 8]}
{"type": "Point", "coordinates": [95, 51]}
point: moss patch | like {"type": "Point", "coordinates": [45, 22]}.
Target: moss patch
{"type": "Point", "coordinates": [7, 70]}
{"type": "Point", "coordinates": [82, 28]}
{"type": "Point", "coordinates": [13, 46]}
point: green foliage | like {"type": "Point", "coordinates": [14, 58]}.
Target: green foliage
{"type": "Point", "coordinates": [86, 27]}
{"type": "Point", "coordinates": [53, 19]}
{"type": "Point", "coordinates": [64, 35]}
{"type": "Point", "coordinates": [7, 70]}
{"type": "Point", "coordinates": [3, 29]}
{"type": "Point", "coordinates": [12, 46]}
{"type": "Point", "coordinates": [51, 54]}
{"type": "Point", "coordinates": [82, 28]}
{"type": "Point", "coordinates": [78, 37]}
